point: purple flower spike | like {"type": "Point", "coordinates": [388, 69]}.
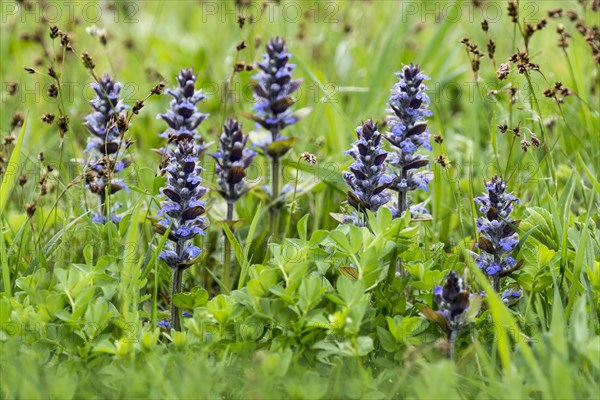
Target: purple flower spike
{"type": "Point", "coordinates": [232, 160]}
{"type": "Point", "coordinates": [367, 177]}
{"type": "Point", "coordinates": [273, 88]}
{"type": "Point", "coordinates": [183, 117]}
{"type": "Point", "coordinates": [409, 107]}
{"type": "Point", "coordinates": [182, 208]}
{"type": "Point", "coordinates": [498, 237]}
{"type": "Point", "coordinates": [107, 124]}
{"type": "Point", "coordinates": [452, 300]}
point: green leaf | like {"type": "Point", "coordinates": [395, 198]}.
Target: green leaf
{"type": "Point", "coordinates": [386, 340]}
{"type": "Point", "coordinates": [184, 300]}
{"type": "Point", "coordinates": [317, 236]}
{"type": "Point", "coordinates": [200, 296]}
{"type": "Point", "coordinates": [340, 239]}
{"type": "Point", "coordinates": [280, 147]}
{"type": "Point", "coordinates": [302, 227]}
{"type": "Point", "coordinates": [237, 247]}
{"type": "Point", "coordinates": [351, 291]}
{"type": "Point", "coordinates": [545, 231]}
{"type": "Point", "coordinates": [364, 345]}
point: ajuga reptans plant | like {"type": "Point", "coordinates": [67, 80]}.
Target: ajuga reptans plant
{"type": "Point", "coordinates": [231, 162]}
{"type": "Point", "coordinates": [367, 178]}
{"type": "Point", "coordinates": [452, 300]}
{"type": "Point", "coordinates": [273, 88]}
{"type": "Point", "coordinates": [408, 132]}
{"type": "Point", "coordinates": [497, 235]}
{"type": "Point", "coordinates": [107, 124]}
{"type": "Point", "coordinates": [182, 208]}
{"type": "Point", "coordinates": [182, 211]}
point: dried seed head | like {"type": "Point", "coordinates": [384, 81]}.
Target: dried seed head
{"type": "Point", "coordinates": [158, 89]}
{"type": "Point", "coordinates": [63, 125]}
{"type": "Point", "coordinates": [572, 15]}
{"type": "Point", "coordinates": [542, 24]}
{"type": "Point", "coordinates": [122, 124]}
{"type": "Point", "coordinates": [53, 32]}
{"type": "Point", "coordinates": [65, 40]}
{"type": "Point", "coordinates": [241, 46]}
{"type": "Point", "coordinates": [438, 139]}
{"type": "Point", "coordinates": [52, 90]}
{"type": "Point", "coordinates": [29, 70]}
{"type": "Point", "coordinates": [503, 71]}
{"type": "Point", "coordinates": [239, 66]}
{"type": "Point", "coordinates": [8, 139]}
{"type": "Point", "coordinates": [48, 118]}
{"type": "Point", "coordinates": [43, 187]}
{"type": "Point", "coordinates": [241, 20]}
{"type": "Point", "coordinates": [41, 157]}
{"type": "Point", "coordinates": [52, 72]}
{"type": "Point", "coordinates": [88, 62]}
{"type": "Point", "coordinates": [524, 145]}
{"type": "Point", "coordinates": [503, 128]}
{"type": "Point", "coordinates": [535, 142]}
{"type": "Point", "coordinates": [491, 47]}
{"type": "Point", "coordinates": [11, 88]}
{"type": "Point", "coordinates": [137, 107]}
{"type": "Point", "coordinates": [485, 25]}
{"type": "Point", "coordinates": [563, 90]}
{"type": "Point", "coordinates": [30, 208]}
{"type": "Point", "coordinates": [513, 11]}
{"type": "Point", "coordinates": [555, 13]}
{"type": "Point", "coordinates": [309, 158]}
{"type": "Point", "coordinates": [549, 92]}
{"type": "Point", "coordinates": [517, 131]}
{"type": "Point", "coordinates": [22, 180]}
{"type": "Point", "coordinates": [443, 161]}
{"type": "Point", "coordinates": [17, 120]}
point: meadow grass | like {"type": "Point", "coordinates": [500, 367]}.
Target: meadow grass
{"type": "Point", "coordinates": [80, 300]}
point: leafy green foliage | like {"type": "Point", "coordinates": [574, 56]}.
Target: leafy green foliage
{"type": "Point", "coordinates": [329, 310]}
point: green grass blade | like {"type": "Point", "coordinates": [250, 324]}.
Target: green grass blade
{"type": "Point", "coordinates": [10, 177]}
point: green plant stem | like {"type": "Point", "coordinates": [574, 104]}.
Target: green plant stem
{"type": "Point", "coordinates": [496, 277]}
{"type": "Point", "coordinates": [453, 335]}
{"type": "Point", "coordinates": [155, 291]}
{"type": "Point", "coordinates": [175, 289]}
{"type": "Point", "coordinates": [175, 319]}
{"type": "Point", "coordinates": [549, 160]}
{"type": "Point", "coordinates": [227, 248]}
{"type": "Point", "coordinates": [293, 206]}
{"type": "Point", "coordinates": [274, 194]}
{"type": "Point", "coordinates": [402, 193]}
{"type": "Point", "coordinates": [5, 270]}
{"type": "Point", "coordinates": [402, 206]}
